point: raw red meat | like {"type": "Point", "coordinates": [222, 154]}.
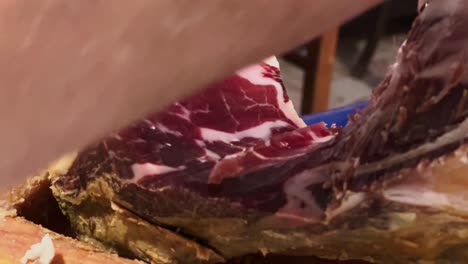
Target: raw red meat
{"type": "Point", "coordinates": [194, 134]}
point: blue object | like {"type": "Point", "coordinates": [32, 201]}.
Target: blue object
{"type": "Point", "coordinates": [338, 116]}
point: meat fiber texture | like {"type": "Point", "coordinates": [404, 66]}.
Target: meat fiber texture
{"type": "Point", "coordinates": [234, 171]}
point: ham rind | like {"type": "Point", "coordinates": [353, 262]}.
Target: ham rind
{"type": "Point", "coordinates": [243, 177]}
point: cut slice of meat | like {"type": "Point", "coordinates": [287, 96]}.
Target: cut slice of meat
{"type": "Point", "coordinates": [226, 118]}
{"type": "Point", "coordinates": [234, 169]}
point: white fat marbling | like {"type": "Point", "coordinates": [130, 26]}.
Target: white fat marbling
{"type": "Point", "coordinates": [212, 155]}
{"type": "Point", "coordinates": [167, 130]}
{"type": "Point", "coordinates": [350, 201]}
{"type": "Point", "coordinates": [262, 131]}
{"type": "Point", "coordinates": [301, 205]}
{"type": "Point", "coordinates": [185, 112]}
{"type": "Point", "coordinates": [317, 139]}
{"type": "Point", "coordinates": [254, 74]}
{"type": "Point", "coordinates": [427, 197]}
{"type": "Point", "coordinates": [146, 169]}
{"type": "Point", "coordinates": [272, 61]}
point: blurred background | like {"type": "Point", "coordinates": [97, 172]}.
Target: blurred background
{"type": "Point", "coordinates": [343, 65]}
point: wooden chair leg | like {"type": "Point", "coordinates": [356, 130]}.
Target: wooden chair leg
{"type": "Point", "coordinates": [363, 62]}
{"type": "Point", "coordinates": [319, 73]}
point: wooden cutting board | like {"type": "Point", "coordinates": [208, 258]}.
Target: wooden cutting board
{"type": "Point", "coordinates": [18, 235]}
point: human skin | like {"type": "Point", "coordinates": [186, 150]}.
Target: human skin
{"type": "Point", "coordinates": [73, 71]}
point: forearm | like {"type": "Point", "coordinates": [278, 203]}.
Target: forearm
{"type": "Point", "coordinates": [72, 71]}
